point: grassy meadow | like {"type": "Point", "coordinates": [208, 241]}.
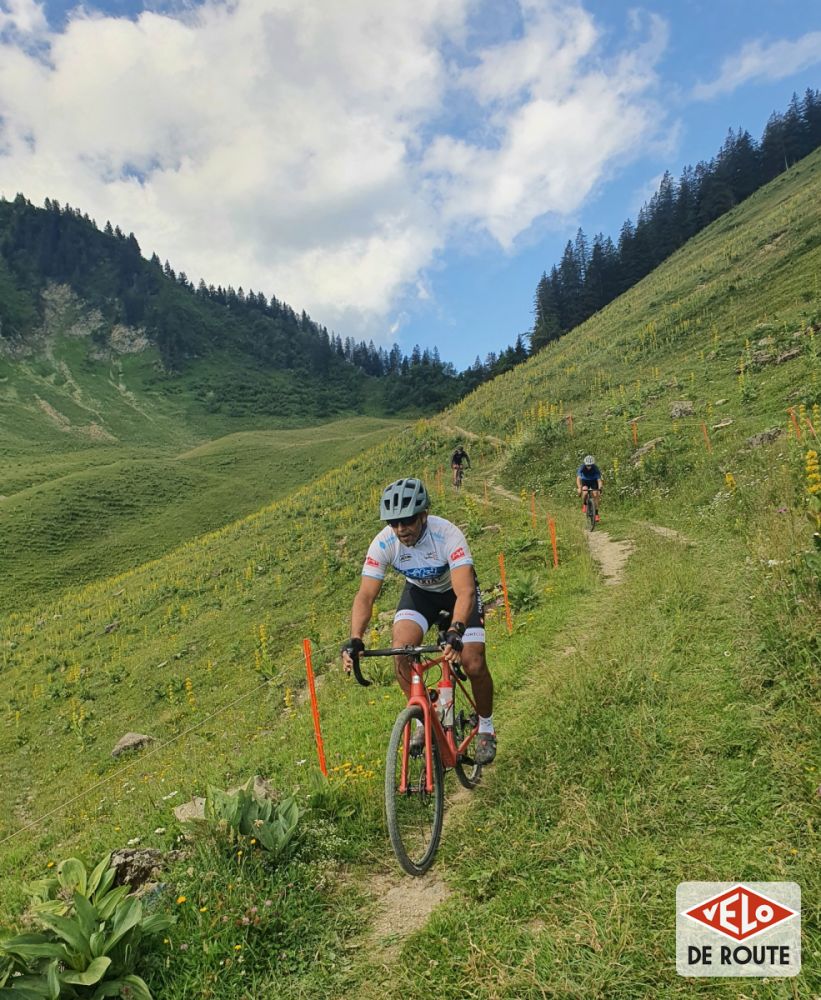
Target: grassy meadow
{"type": "Point", "coordinates": [661, 729]}
{"type": "Point", "coordinates": [90, 514]}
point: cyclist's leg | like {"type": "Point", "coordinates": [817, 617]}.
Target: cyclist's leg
{"type": "Point", "coordinates": [412, 619]}
{"type": "Point", "coordinates": [474, 663]}
{"type": "Point", "coordinates": [475, 666]}
{"type": "Point", "coordinates": [474, 660]}
{"type": "Point", "coordinates": [405, 633]}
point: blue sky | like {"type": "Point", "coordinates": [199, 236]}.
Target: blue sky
{"type": "Point", "coordinates": [401, 171]}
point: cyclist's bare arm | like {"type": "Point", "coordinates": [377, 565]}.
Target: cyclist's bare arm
{"type": "Point", "coordinates": [361, 612]}
{"type": "Point", "coordinates": [463, 581]}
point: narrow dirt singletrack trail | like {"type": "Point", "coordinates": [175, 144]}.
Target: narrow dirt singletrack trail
{"type": "Point", "coordinates": [403, 905]}
{"type": "Point", "coordinates": [610, 555]}
{"type": "Point", "coordinates": [471, 436]}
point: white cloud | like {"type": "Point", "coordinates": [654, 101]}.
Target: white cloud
{"type": "Point", "coordinates": [760, 61]}
{"type": "Point", "coordinates": [298, 147]}
{"type": "Point", "coordinates": [22, 19]}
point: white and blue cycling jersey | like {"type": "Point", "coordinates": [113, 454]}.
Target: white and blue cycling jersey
{"type": "Point", "coordinates": [427, 564]}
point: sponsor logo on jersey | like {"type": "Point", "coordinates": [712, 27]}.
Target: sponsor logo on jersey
{"type": "Point", "coordinates": [457, 554]}
{"type": "Point", "coordinates": [370, 561]}
{"type": "Point", "coordinates": [421, 573]}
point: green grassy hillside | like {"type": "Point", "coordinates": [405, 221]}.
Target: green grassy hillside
{"type": "Point", "coordinates": [69, 518]}
{"type": "Point", "coordinates": [653, 729]}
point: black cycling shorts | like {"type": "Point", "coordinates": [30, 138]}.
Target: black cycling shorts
{"type": "Point", "coordinates": [423, 607]}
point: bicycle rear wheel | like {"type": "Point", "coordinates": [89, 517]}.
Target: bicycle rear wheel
{"type": "Point", "coordinates": [414, 815]}
{"type": "Point", "coordinates": [465, 721]}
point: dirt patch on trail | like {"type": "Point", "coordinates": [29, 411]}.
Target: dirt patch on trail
{"type": "Point", "coordinates": [671, 533]}
{"type": "Point", "coordinates": [611, 556]}
{"type": "Point", "coordinates": [503, 492]}
{"type": "Point", "coordinates": [405, 904]}
{"type": "Point", "coordinates": [474, 437]}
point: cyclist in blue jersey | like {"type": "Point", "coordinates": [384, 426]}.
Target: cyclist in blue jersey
{"type": "Point", "coordinates": [433, 556]}
{"type": "Point", "coordinates": [589, 478]}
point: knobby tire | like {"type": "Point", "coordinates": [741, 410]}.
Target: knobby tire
{"type": "Point", "coordinates": [415, 816]}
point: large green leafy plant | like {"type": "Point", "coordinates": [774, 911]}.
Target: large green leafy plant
{"type": "Point", "coordinates": [273, 825]}
{"type": "Point", "coordinates": [91, 943]}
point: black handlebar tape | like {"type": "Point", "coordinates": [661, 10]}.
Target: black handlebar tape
{"type": "Point", "coordinates": [357, 672]}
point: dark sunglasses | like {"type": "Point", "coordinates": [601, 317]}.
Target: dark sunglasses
{"type": "Point", "coordinates": [404, 522]}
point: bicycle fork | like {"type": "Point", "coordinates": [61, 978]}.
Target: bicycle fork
{"type": "Point", "coordinates": [419, 696]}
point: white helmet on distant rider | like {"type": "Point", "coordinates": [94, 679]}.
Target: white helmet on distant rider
{"type": "Point", "coordinates": [589, 460]}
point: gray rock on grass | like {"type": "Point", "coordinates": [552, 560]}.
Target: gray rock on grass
{"type": "Point", "coordinates": [131, 741]}
{"type": "Point", "coordinates": [645, 449]}
{"type": "Point", "coordinates": [765, 437]}
{"type": "Point", "coordinates": [195, 808]}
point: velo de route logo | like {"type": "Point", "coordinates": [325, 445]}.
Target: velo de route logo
{"type": "Point", "coordinates": [738, 929]}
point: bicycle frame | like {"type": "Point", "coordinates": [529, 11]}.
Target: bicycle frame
{"type": "Point", "coordinates": [449, 751]}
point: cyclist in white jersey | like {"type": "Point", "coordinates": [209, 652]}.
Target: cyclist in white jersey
{"type": "Point", "coordinates": [433, 556]}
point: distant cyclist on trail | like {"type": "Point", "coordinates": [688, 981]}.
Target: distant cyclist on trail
{"type": "Point", "coordinates": [433, 556]}
{"type": "Point", "coordinates": [456, 460]}
{"type": "Point", "coordinates": [589, 478]}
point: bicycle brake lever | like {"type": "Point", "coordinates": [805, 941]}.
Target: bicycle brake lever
{"type": "Point", "coordinates": [455, 667]}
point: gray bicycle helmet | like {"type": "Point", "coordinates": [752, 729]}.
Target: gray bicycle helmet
{"type": "Point", "coordinates": [404, 498]}
{"type": "Point", "coordinates": [589, 460]}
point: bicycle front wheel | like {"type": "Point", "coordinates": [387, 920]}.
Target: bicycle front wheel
{"type": "Point", "coordinates": [591, 512]}
{"type": "Point", "coordinates": [414, 814]}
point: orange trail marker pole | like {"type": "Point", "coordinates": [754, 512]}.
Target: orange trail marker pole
{"type": "Point", "coordinates": [707, 440]}
{"type": "Point", "coordinates": [551, 524]}
{"type": "Point", "coordinates": [439, 489]}
{"type": "Point", "coordinates": [795, 423]}
{"type": "Point", "coordinates": [533, 509]}
{"type": "Point", "coordinates": [309, 670]}
{"type": "Point", "coordinates": [570, 423]}
{"type": "Point", "coordinates": [635, 428]}
{"type": "Point", "coordinates": [809, 424]}
{"type": "Point", "coordinates": [504, 593]}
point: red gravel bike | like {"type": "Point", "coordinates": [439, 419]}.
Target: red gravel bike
{"type": "Point", "coordinates": [415, 774]}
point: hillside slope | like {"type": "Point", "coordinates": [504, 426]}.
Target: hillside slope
{"type": "Point", "coordinates": [71, 518]}
{"type": "Point", "coordinates": [655, 730]}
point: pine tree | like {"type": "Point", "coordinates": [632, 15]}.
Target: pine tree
{"type": "Point", "coordinates": [546, 325]}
